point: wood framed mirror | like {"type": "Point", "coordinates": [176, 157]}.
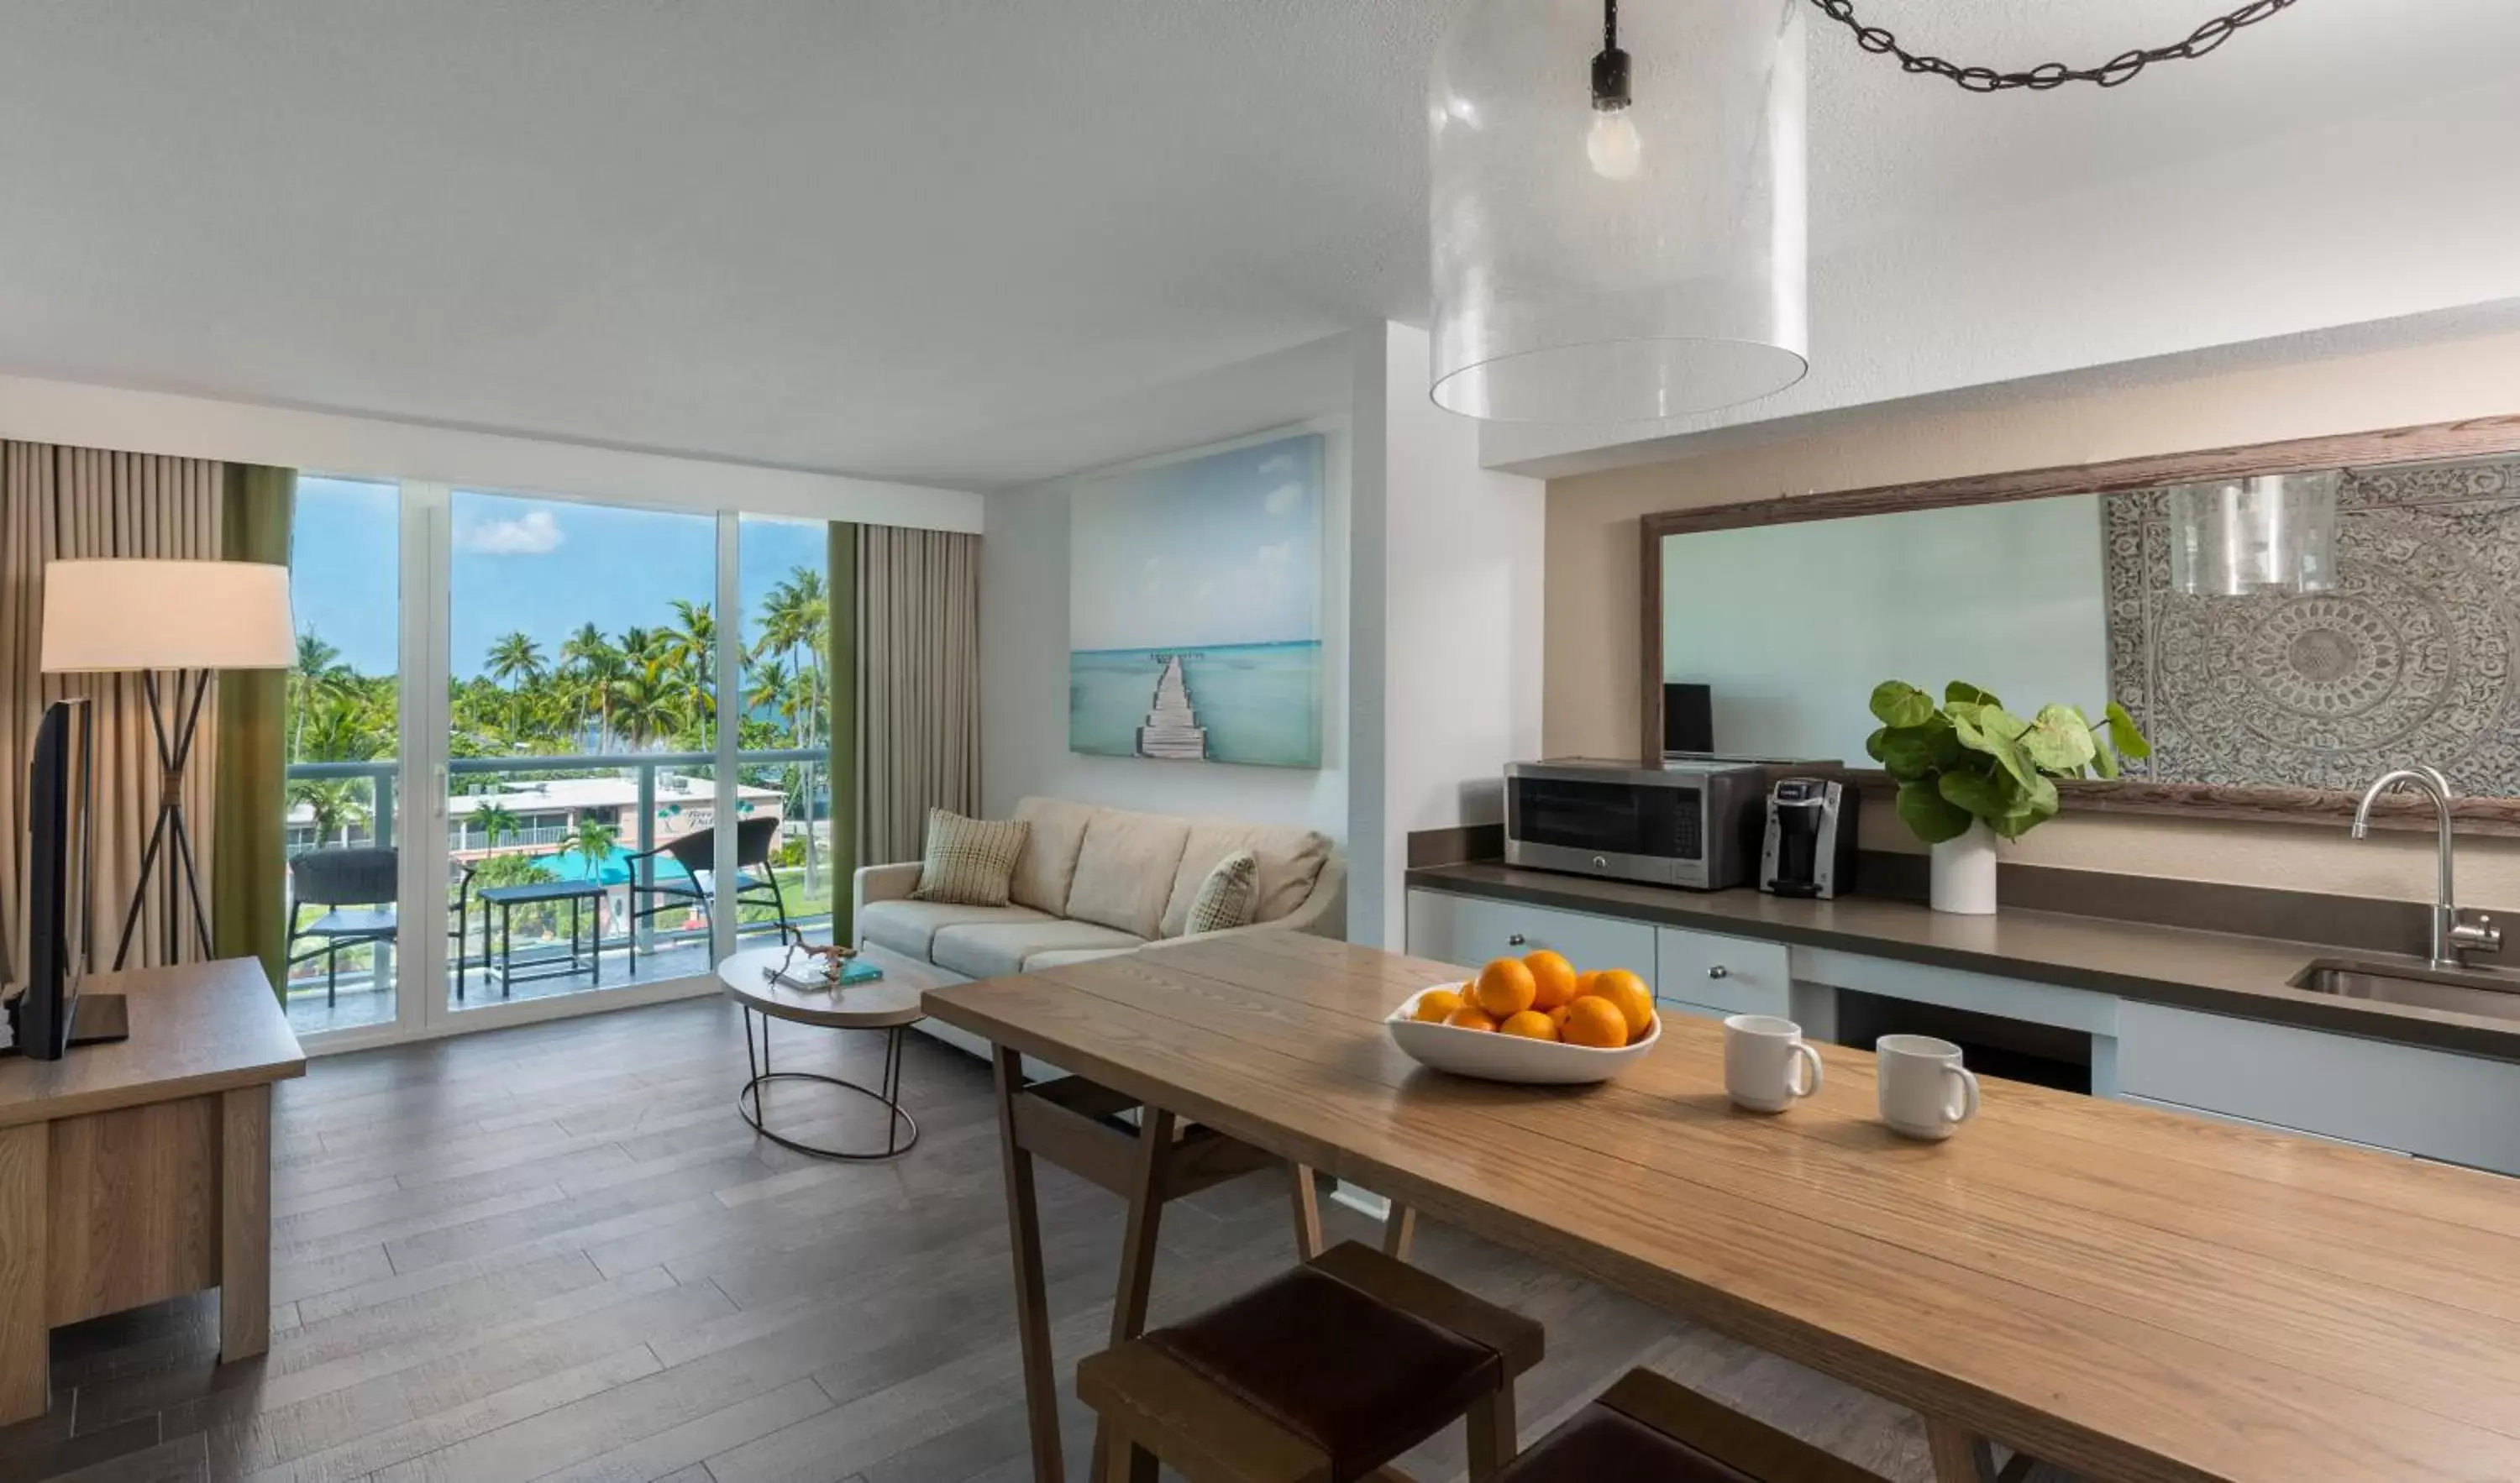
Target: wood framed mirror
{"type": "Point", "coordinates": [1777, 615]}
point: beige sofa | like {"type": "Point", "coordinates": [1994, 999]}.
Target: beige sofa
{"type": "Point", "coordinates": [1092, 883]}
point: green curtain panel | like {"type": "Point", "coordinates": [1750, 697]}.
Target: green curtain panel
{"type": "Point", "coordinates": [843, 606]}
{"type": "Point", "coordinates": [248, 841]}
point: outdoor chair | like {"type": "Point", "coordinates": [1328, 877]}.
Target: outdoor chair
{"type": "Point", "coordinates": [755, 883]}
{"type": "Point", "coordinates": [358, 889]}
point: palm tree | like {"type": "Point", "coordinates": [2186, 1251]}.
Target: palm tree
{"type": "Point", "coordinates": [796, 621]}
{"type": "Point", "coordinates": [334, 802]}
{"type": "Point", "coordinates": [514, 658]}
{"type": "Point", "coordinates": [494, 820]}
{"type": "Point", "coordinates": [590, 662]}
{"type": "Point", "coordinates": [595, 842]}
{"type": "Point", "coordinates": [317, 675]}
{"type": "Point", "coordinates": [645, 703]}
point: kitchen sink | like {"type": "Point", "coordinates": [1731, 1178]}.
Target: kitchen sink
{"type": "Point", "coordinates": [2469, 992]}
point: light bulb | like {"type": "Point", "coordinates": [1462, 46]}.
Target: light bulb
{"type": "Point", "coordinates": [1614, 144]}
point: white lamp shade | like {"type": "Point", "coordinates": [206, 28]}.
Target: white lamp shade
{"type": "Point", "coordinates": [1647, 263]}
{"type": "Point", "coordinates": [147, 614]}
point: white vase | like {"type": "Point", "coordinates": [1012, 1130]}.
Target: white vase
{"type": "Point", "coordinates": [1965, 873]}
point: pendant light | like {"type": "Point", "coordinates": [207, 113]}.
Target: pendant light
{"type": "Point", "coordinates": [1634, 249]}
{"type": "Point", "coordinates": [1618, 217]}
{"type": "Point", "coordinates": [2273, 534]}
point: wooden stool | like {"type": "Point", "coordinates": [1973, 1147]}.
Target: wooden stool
{"type": "Point", "coordinates": [1646, 1429]}
{"type": "Point", "coordinates": [1322, 1375]}
{"type": "Point", "coordinates": [1084, 1128]}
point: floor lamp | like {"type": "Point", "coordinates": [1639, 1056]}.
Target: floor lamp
{"type": "Point", "coordinates": [158, 616]}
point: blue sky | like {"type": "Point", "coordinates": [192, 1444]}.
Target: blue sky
{"type": "Point", "coordinates": [544, 566]}
{"type": "Point", "coordinates": [1225, 549]}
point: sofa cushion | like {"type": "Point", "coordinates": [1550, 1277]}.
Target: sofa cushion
{"type": "Point", "coordinates": [1227, 896]}
{"type": "Point", "coordinates": [1047, 864]}
{"type": "Point", "coordinates": [969, 860]}
{"type": "Point", "coordinates": [1290, 861]}
{"type": "Point", "coordinates": [1124, 874]}
{"type": "Point", "coordinates": [989, 950]}
{"type": "Point", "coordinates": [910, 928]}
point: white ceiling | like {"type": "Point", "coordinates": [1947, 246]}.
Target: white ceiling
{"type": "Point", "coordinates": [955, 241]}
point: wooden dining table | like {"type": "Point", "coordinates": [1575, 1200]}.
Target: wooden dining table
{"type": "Point", "coordinates": [2125, 1292]}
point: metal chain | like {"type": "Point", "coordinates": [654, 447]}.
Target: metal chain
{"type": "Point", "coordinates": [2116, 72]}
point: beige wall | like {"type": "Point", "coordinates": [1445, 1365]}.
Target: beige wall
{"type": "Point", "coordinates": [1591, 604]}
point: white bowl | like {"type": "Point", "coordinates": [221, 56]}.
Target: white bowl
{"type": "Point", "coordinates": [1493, 1057]}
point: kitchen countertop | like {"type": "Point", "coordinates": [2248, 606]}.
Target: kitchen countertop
{"type": "Point", "coordinates": [2215, 973]}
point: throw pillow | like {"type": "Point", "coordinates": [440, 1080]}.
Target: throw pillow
{"type": "Point", "coordinates": [1227, 896]}
{"type": "Point", "coordinates": [969, 862]}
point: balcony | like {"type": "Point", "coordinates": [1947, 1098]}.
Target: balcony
{"type": "Point", "coordinates": [575, 817]}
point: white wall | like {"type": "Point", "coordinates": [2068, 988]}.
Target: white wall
{"type": "Point", "coordinates": [1449, 561]}
{"type": "Point", "coordinates": [1023, 670]}
{"type": "Point", "coordinates": [2236, 243]}
{"type": "Point", "coordinates": [323, 443]}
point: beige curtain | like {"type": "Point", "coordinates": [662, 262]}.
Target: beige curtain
{"type": "Point", "coordinates": [919, 684]}
{"type": "Point", "coordinates": [83, 502]}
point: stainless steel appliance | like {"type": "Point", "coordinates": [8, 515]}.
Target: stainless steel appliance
{"type": "Point", "coordinates": [1685, 824]}
{"type": "Point", "coordinates": [1809, 848]}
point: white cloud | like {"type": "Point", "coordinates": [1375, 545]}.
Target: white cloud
{"type": "Point", "coordinates": [1155, 564]}
{"type": "Point", "coordinates": [1285, 499]}
{"type": "Point", "coordinates": [1276, 554]}
{"type": "Point", "coordinates": [1206, 589]}
{"type": "Point", "coordinates": [533, 533]}
{"type": "Point", "coordinates": [1283, 463]}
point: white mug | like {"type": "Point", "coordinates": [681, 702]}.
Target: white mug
{"type": "Point", "coordinates": [1764, 1058]}
{"type": "Point", "coordinates": [1925, 1093]}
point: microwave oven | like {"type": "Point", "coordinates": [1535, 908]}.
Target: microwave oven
{"type": "Point", "coordinates": [1684, 824]}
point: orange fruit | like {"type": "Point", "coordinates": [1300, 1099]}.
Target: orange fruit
{"type": "Point", "coordinates": [1505, 988]}
{"type": "Point", "coordinates": [1530, 1024]}
{"type": "Point", "coordinates": [1557, 1018]}
{"type": "Point", "coordinates": [1594, 1020]}
{"type": "Point", "coordinates": [1436, 1003]}
{"type": "Point", "coordinates": [1471, 1016]}
{"type": "Point", "coordinates": [1553, 978]}
{"type": "Point", "coordinates": [1585, 981]}
{"type": "Point", "coordinates": [1629, 992]}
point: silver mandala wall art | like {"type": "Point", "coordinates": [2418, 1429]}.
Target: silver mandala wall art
{"type": "Point", "coordinates": [2410, 654]}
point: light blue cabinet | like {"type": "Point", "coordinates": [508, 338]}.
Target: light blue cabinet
{"type": "Point", "coordinates": [2399, 1099]}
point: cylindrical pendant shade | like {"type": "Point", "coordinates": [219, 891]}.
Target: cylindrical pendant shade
{"type": "Point", "coordinates": [2238, 538]}
{"type": "Point", "coordinates": [1615, 265]}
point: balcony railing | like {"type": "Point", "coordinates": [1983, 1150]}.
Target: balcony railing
{"type": "Point", "coordinates": [373, 820]}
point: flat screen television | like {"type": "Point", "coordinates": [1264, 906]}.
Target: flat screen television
{"type": "Point", "coordinates": [46, 1016]}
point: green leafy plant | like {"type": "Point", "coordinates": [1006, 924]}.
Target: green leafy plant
{"type": "Point", "coordinates": [1969, 760]}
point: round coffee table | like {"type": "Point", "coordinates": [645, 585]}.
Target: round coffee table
{"type": "Point", "coordinates": [883, 1004]}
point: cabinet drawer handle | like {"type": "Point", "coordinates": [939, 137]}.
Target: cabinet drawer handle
{"type": "Point", "coordinates": [1514, 941]}
{"type": "Point", "coordinates": [1719, 972]}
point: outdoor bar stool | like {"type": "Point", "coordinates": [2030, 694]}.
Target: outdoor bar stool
{"type": "Point", "coordinates": [1646, 1429]}
{"type": "Point", "coordinates": [1321, 1376]}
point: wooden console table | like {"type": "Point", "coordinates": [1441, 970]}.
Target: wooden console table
{"type": "Point", "coordinates": [139, 1171]}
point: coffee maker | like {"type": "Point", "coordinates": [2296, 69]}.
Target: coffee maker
{"type": "Point", "coordinates": [1810, 848]}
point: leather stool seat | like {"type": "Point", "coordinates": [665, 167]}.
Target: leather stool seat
{"type": "Point", "coordinates": [1646, 1429]}
{"type": "Point", "coordinates": [1325, 1373]}
{"type": "Point", "coordinates": [1599, 1443]}
{"type": "Point", "coordinates": [1356, 1377]}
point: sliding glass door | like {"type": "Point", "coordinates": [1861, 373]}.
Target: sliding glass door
{"type": "Point", "coordinates": [343, 736]}
{"type": "Point", "coordinates": [582, 741]}
{"type": "Point", "coordinates": [550, 751]}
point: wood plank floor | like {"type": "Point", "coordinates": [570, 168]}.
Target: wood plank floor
{"type": "Point", "coordinates": [553, 1253]}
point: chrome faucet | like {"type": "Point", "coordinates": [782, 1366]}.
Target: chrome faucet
{"type": "Point", "coordinates": [2451, 937]}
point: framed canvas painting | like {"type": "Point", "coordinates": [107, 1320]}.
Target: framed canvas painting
{"type": "Point", "coordinates": [1195, 608]}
